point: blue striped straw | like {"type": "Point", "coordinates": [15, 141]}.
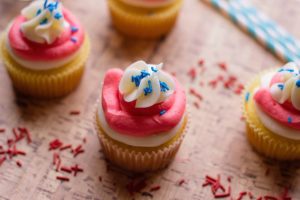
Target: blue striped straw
{"type": "Point", "coordinates": [260, 27]}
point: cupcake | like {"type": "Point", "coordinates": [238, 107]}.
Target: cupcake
{"type": "Point", "coordinates": [44, 50]}
{"type": "Point", "coordinates": [272, 111]}
{"type": "Point", "coordinates": [141, 117]}
{"type": "Point", "coordinates": [144, 18]}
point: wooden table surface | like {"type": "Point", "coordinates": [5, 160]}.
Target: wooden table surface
{"type": "Point", "coordinates": [215, 143]}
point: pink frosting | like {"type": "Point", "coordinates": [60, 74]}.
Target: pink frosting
{"type": "Point", "coordinates": [279, 112]}
{"type": "Point", "coordinates": [61, 48]}
{"type": "Point", "coordinates": [126, 119]}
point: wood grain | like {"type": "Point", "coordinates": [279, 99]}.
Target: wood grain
{"type": "Point", "coordinates": [215, 144]}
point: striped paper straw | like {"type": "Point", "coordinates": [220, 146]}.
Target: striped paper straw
{"type": "Point", "coordinates": [260, 27]}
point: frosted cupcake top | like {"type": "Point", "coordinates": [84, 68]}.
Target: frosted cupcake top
{"type": "Point", "coordinates": [141, 106]}
{"type": "Point", "coordinates": [278, 101]}
{"type": "Point", "coordinates": [44, 21]}
{"type": "Point", "coordinates": [148, 3]}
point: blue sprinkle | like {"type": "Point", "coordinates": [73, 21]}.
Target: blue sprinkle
{"type": "Point", "coordinates": [44, 21]}
{"type": "Point", "coordinates": [281, 70]}
{"type": "Point", "coordinates": [148, 90]}
{"type": "Point", "coordinates": [154, 69]}
{"type": "Point", "coordinates": [289, 70]}
{"type": "Point", "coordinates": [298, 83]}
{"type": "Point", "coordinates": [51, 7]}
{"type": "Point", "coordinates": [74, 29]}
{"type": "Point", "coordinates": [74, 39]}
{"type": "Point", "coordinates": [137, 79]}
{"type": "Point", "coordinates": [247, 96]}
{"type": "Point", "coordinates": [45, 4]}
{"type": "Point", "coordinates": [290, 120]}
{"type": "Point", "coordinates": [163, 86]}
{"type": "Point", "coordinates": [56, 4]}
{"type": "Point", "coordinates": [162, 112]}
{"type": "Point", "coordinates": [57, 16]}
{"type": "Point", "coordinates": [281, 86]}
{"type": "Point", "coordinates": [38, 11]}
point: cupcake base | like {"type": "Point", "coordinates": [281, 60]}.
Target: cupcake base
{"type": "Point", "coordinates": [49, 83]}
{"type": "Point", "coordinates": [262, 139]}
{"type": "Point", "coordinates": [139, 159]}
{"type": "Point", "coordinates": [143, 23]}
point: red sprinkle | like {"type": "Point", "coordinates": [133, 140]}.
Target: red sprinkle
{"type": "Point", "coordinates": [192, 73]}
{"type": "Point", "coordinates": [75, 112]}
{"type": "Point", "coordinates": [78, 152]}
{"type": "Point", "coordinates": [213, 83]}
{"type": "Point", "coordinates": [182, 181]}
{"type": "Point", "coordinates": [62, 178]}
{"type": "Point", "coordinates": [2, 160]}
{"type": "Point", "coordinates": [215, 184]}
{"type": "Point", "coordinates": [78, 148]}
{"type": "Point", "coordinates": [227, 194]}
{"type": "Point", "coordinates": [84, 140]}
{"type": "Point", "coordinates": [223, 66]}
{"type": "Point", "coordinates": [19, 163]}
{"type": "Point", "coordinates": [270, 198]}
{"type": "Point", "coordinates": [242, 194]}
{"type": "Point", "coordinates": [10, 142]}
{"type": "Point", "coordinates": [196, 104]}
{"type": "Point", "coordinates": [20, 153]}
{"type": "Point", "coordinates": [66, 169]}
{"type": "Point", "coordinates": [55, 144]}
{"type": "Point", "coordinates": [201, 62]}
{"type": "Point", "coordinates": [154, 188]}
{"type": "Point", "coordinates": [28, 136]}
{"type": "Point", "coordinates": [55, 158]}
{"type": "Point", "coordinates": [250, 195]}
{"type": "Point", "coordinates": [58, 164]}
{"type": "Point", "coordinates": [285, 195]}
{"type": "Point", "coordinates": [65, 147]}
{"type": "Point", "coordinates": [76, 169]}
{"type": "Point", "coordinates": [196, 94]}
{"type": "Point", "coordinates": [229, 179]}
{"type": "Point", "coordinates": [2, 130]}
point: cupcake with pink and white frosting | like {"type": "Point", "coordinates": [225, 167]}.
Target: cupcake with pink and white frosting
{"type": "Point", "coordinates": [45, 49]}
{"type": "Point", "coordinates": [141, 116]}
{"type": "Point", "coordinates": [272, 110]}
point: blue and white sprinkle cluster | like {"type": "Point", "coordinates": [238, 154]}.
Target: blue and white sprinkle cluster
{"type": "Point", "coordinates": [148, 90]}
{"type": "Point", "coordinates": [52, 8]}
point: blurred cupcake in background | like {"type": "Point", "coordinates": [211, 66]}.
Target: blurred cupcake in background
{"type": "Point", "coordinates": [272, 111]}
{"type": "Point", "coordinates": [144, 18]}
{"type": "Point", "coordinates": [44, 50]}
{"type": "Point", "coordinates": [141, 117]}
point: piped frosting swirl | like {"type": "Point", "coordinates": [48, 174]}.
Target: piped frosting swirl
{"type": "Point", "coordinates": [285, 85]}
{"type": "Point", "coordinates": [44, 21]}
{"type": "Point", "coordinates": [146, 84]}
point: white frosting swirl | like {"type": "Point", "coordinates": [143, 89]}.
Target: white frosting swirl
{"type": "Point", "coordinates": [146, 84]}
{"type": "Point", "coordinates": [287, 86]}
{"type": "Point", "coordinates": [148, 3]}
{"type": "Point", "coordinates": [44, 21]}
